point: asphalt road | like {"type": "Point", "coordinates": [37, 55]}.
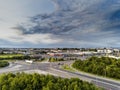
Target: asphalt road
{"type": "Point", "coordinates": [99, 81]}
{"type": "Point", "coordinates": [53, 68]}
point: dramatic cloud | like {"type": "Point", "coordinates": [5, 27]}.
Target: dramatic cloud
{"type": "Point", "coordinates": [74, 23]}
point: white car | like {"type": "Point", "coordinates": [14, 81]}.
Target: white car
{"type": "Point", "coordinates": [29, 61]}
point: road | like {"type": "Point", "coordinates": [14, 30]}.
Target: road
{"type": "Point", "coordinates": [54, 69]}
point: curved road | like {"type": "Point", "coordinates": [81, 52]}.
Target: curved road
{"type": "Point", "coordinates": [54, 68]}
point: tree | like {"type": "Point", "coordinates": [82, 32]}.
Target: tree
{"type": "Point", "coordinates": [5, 87]}
{"type": "Point", "coordinates": [103, 66]}
{"type": "Point", "coordinates": [22, 81]}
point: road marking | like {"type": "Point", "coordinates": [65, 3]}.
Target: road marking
{"type": "Point", "coordinates": [107, 83]}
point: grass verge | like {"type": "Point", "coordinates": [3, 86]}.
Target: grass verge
{"type": "Point", "coordinates": [67, 67]}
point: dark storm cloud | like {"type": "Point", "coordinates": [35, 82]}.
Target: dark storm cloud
{"type": "Point", "coordinates": [79, 20]}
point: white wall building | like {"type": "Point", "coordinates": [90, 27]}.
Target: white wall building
{"type": "Point", "coordinates": [104, 51]}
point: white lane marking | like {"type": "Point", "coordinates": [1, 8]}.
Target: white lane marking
{"type": "Point", "coordinates": [106, 83]}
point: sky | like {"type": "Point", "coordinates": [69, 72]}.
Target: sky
{"type": "Point", "coordinates": [59, 23]}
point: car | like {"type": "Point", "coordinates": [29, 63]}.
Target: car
{"type": "Point", "coordinates": [60, 63]}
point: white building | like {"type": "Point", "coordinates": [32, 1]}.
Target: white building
{"type": "Point", "coordinates": [104, 51]}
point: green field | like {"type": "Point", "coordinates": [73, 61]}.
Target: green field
{"type": "Point", "coordinates": [9, 55]}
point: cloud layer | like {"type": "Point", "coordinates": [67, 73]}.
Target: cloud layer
{"type": "Point", "coordinates": [74, 23]}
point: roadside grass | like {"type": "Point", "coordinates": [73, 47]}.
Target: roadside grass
{"type": "Point", "coordinates": [67, 67]}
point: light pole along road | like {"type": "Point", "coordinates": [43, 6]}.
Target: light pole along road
{"type": "Point", "coordinates": [53, 68]}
